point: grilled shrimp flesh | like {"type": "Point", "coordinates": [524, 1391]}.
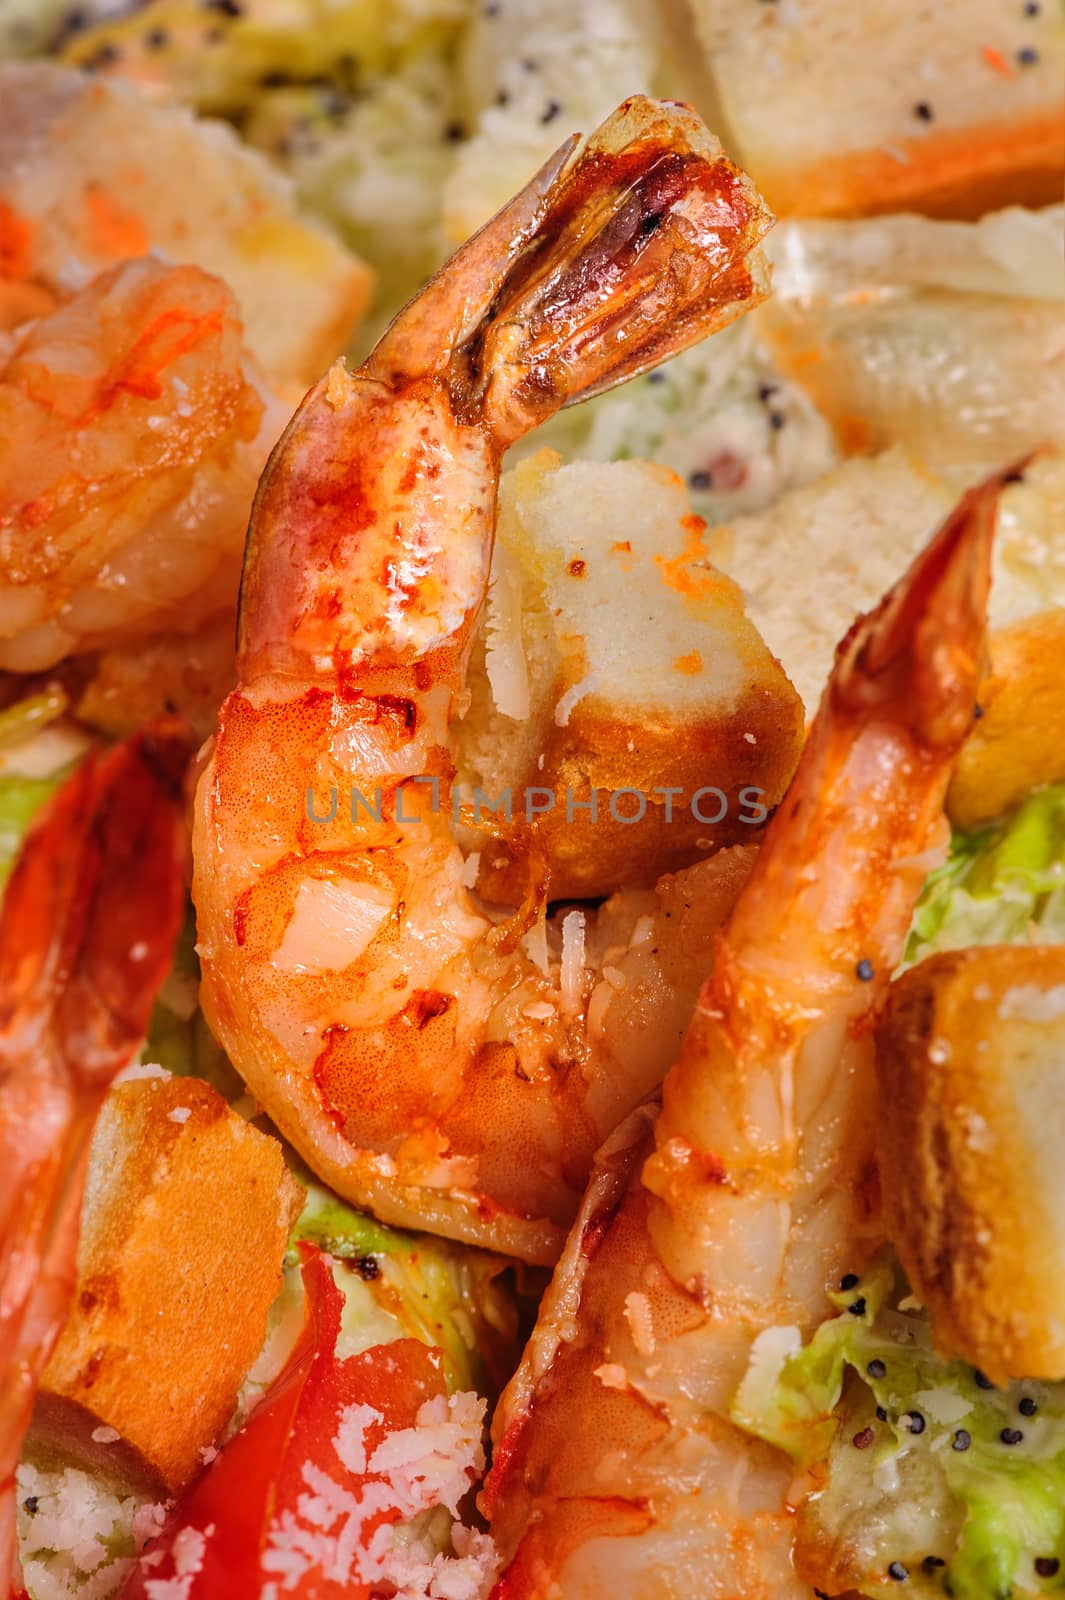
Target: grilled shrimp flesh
{"type": "Point", "coordinates": [431, 1060]}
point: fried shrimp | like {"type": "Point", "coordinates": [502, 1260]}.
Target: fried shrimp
{"type": "Point", "coordinates": [617, 1468]}
{"type": "Point", "coordinates": [90, 916]}
{"type": "Point", "coordinates": [429, 1060]}
{"type": "Point", "coordinates": [132, 431]}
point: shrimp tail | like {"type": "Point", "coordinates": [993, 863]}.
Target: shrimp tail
{"type": "Point", "coordinates": [643, 246]}
{"type": "Point", "coordinates": [90, 918]}
{"type": "Point", "coordinates": [598, 270]}
{"type": "Point", "coordinates": [923, 645]}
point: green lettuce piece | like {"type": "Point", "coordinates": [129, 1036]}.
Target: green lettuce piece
{"type": "Point", "coordinates": [30, 774]}
{"type": "Point", "coordinates": [20, 800]}
{"type": "Point", "coordinates": [921, 1472]}
{"type": "Point", "coordinates": [405, 1285]}
{"type": "Point", "coordinates": [264, 45]}
{"type": "Point", "coordinates": [1001, 884]}
{"type": "Point", "coordinates": [178, 1037]}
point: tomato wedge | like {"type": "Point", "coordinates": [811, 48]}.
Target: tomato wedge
{"type": "Point", "coordinates": [302, 1500]}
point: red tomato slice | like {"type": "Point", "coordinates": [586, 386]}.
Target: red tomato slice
{"type": "Point", "coordinates": [280, 1499]}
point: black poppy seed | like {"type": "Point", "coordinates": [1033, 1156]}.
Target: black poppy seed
{"type": "Point", "coordinates": [864, 1439]}
{"type": "Point", "coordinates": [228, 8]}
{"type": "Point", "coordinates": [765, 390]}
{"type": "Point", "coordinates": [551, 111]}
{"type": "Point", "coordinates": [864, 971]}
{"type": "Point", "coordinates": [1011, 1436]}
{"type": "Point", "coordinates": [1033, 8]}
{"type": "Point", "coordinates": [530, 64]}
{"type": "Point", "coordinates": [978, 712]}
{"type": "Point", "coordinates": [848, 1282]}
{"type": "Point", "coordinates": [914, 1420]}
{"type": "Point", "coordinates": [1027, 57]}
{"type": "Point", "coordinates": [777, 420]}
{"type": "Point", "coordinates": [1047, 1566]}
{"type": "Point", "coordinates": [156, 39]}
{"type": "Point", "coordinates": [491, 10]}
{"type": "Point", "coordinates": [502, 98]}
{"type": "Point", "coordinates": [31, 1505]}
{"type": "Point", "coordinates": [897, 1572]}
{"type": "Point", "coordinates": [876, 1369]}
{"type": "Point", "coordinates": [857, 1307]}
{"type": "Point", "coordinates": [368, 1268]}
{"type": "Point", "coordinates": [699, 480]}
{"type": "Point", "coordinates": [881, 1413]}
{"type": "Point", "coordinates": [1027, 1407]}
{"type": "Point", "coordinates": [454, 132]}
{"type": "Point", "coordinates": [106, 56]}
{"type": "Point", "coordinates": [961, 1440]}
{"type": "Point", "coordinates": [933, 1563]}
{"type": "Point", "coordinates": [656, 377]}
{"type": "Point", "coordinates": [924, 111]}
{"type": "Point", "coordinates": [981, 1380]}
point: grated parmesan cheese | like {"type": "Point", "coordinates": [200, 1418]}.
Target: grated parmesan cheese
{"type": "Point", "coordinates": [506, 667]}
{"type": "Point", "coordinates": [572, 973]}
{"type": "Point", "coordinates": [353, 1535]}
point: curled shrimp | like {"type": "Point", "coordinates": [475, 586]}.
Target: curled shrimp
{"type": "Point", "coordinates": [617, 1468]}
{"type": "Point", "coordinates": [422, 1059]}
{"type": "Point", "coordinates": [90, 916]}
{"type": "Point", "coordinates": [132, 431]}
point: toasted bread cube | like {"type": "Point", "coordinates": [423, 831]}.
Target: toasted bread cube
{"type": "Point", "coordinates": [824, 551]}
{"type": "Point", "coordinates": [614, 658]}
{"type": "Point", "coordinates": [971, 1066]}
{"type": "Point", "coordinates": [186, 1219]}
{"type": "Point", "coordinates": [838, 109]}
{"type": "Point", "coordinates": [92, 173]}
{"type": "Point", "coordinates": [1019, 742]}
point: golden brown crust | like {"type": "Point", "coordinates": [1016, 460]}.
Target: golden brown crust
{"type": "Point", "coordinates": [971, 1067]}
{"type": "Point", "coordinates": [754, 747]}
{"type": "Point", "coordinates": [1019, 742]}
{"type": "Point", "coordinates": [960, 173]}
{"type": "Point", "coordinates": [185, 1224]}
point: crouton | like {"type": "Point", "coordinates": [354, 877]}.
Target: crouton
{"type": "Point", "coordinates": [186, 1219]}
{"type": "Point", "coordinates": [615, 658]}
{"type": "Point", "coordinates": [839, 109]}
{"type": "Point", "coordinates": [971, 1067]}
{"type": "Point", "coordinates": [1019, 742]}
{"type": "Point", "coordinates": [824, 551]}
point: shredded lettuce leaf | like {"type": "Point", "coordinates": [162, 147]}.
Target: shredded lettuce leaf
{"type": "Point", "coordinates": [1001, 884]}
{"type": "Point", "coordinates": [178, 1036]}
{"type": "Point", "coordinates": [921, 1472]}
{"type": "Point", "coordinates": [37, 751]}
{"type": "Point", "coordinates": [20, 800]}
{"type": "Point", "coordinates": [404, 1285]}
{"type": "Point", "coordinates": [263, 46]}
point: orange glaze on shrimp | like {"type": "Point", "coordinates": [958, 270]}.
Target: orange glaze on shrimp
{"type": "Point", "coordinates": [408, 1043]}
{"type": "Point", "coordinates": [617, 1469]}
{"type": "Point", "coordinates": [90, 916]}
